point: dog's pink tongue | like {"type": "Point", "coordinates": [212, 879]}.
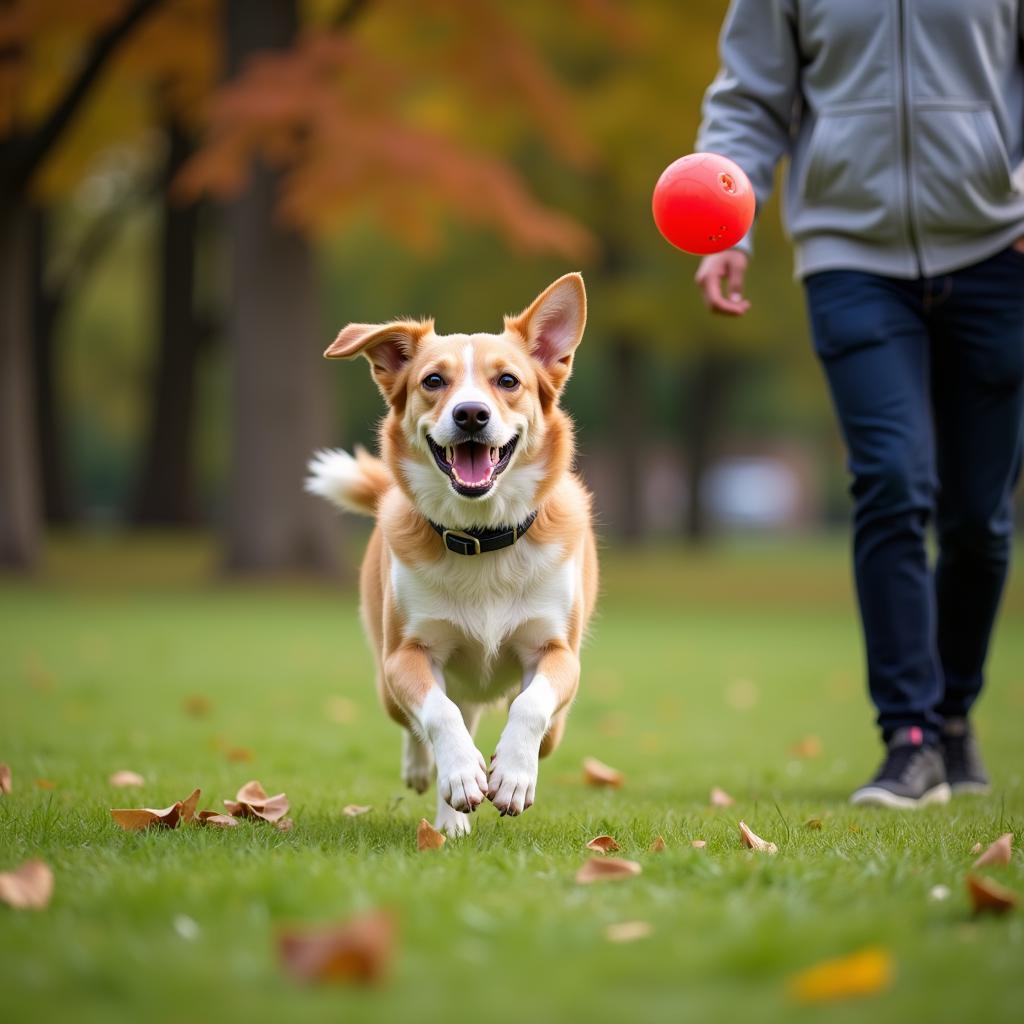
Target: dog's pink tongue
{"type": "Point", "coordinates": [471, 462]}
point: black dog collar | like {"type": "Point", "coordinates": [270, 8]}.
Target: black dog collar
{"type": "Point", "coordinates": [476, 542]}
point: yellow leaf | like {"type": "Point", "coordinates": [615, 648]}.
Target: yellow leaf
{"type": "Point", "coordinates": [860, 974]}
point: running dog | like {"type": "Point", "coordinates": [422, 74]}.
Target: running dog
{"type": "Point", "coordinates": [481, 574]}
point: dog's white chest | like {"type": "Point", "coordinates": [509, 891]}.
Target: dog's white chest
{"type": "Point", "coordinates": [476, 611]}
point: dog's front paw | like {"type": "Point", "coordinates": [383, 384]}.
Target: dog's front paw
{"type": "Point", "coordinates": [462, 778]}
{"type": "Point", "coordinates": [513, 781]}
{"type": "Point", "coordinates": [455, 823]}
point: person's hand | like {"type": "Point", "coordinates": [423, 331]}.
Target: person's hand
{"type": "Point", "coordinates": [1019, 244]}
{"type": "Point", "coordinates": [726, 268]}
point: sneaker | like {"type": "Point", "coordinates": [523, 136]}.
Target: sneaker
{"type": "Point", "coordinates": [964, 771]}
{"type": "Point", "coordinates": [912, 774]}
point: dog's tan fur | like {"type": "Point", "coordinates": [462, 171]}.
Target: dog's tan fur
{"type": "Point", "coordinates": [451, 633]}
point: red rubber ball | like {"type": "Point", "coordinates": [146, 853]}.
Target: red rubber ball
{"type": "Point", "coordinates": [703, 203]}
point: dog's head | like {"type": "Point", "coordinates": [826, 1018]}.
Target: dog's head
{"type": "Point", "coordinates": [473, 432]}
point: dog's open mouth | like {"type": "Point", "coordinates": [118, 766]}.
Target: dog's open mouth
{"type": "Point", "coordinates": [471, 466]}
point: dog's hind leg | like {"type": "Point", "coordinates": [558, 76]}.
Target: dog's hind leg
{"type": "Point", "coordinates": [417, 762]}
{"type": "Point", "coordinates": [449, 820]}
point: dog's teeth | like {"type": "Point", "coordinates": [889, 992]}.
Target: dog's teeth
{"type": "Point", "coordinates": [449, 454]}
{"type": "Point", "coordinates": [494, 455]}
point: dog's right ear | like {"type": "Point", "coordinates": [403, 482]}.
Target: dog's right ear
{"type": "Point", "coordinates": [388, 347]}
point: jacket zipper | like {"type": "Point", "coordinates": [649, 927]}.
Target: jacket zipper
{"type": "Point", "coordinates": [908, 180]}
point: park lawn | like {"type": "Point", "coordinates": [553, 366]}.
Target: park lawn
{"type": "Point", "coordinates": [702, 671]}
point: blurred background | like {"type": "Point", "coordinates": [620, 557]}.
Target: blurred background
{"type": "Point", "coordinates": [197, 194]}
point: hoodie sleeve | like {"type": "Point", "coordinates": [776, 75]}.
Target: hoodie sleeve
{"type": "Point", "coordinates": [749, 107]}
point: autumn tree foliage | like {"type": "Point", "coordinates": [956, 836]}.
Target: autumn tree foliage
{"type": "Point", "coordinates": [350, 125]}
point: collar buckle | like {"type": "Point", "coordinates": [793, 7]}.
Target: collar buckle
{"type": "Point", "coordinates": [466, 543]}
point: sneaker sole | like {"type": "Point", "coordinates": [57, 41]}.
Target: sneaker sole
{"type": "Point", "coordinates": [875, 796]}
{"type": "Point", "coordinates": [970, 788]}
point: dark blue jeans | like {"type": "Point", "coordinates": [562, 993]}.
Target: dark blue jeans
{"type": "Point", "coordinates": [927, 378]}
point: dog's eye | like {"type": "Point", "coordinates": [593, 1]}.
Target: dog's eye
{"type": "Point", "coordinates": [508, 382]}
{"type": "Point", "coordinates": [433, 381]}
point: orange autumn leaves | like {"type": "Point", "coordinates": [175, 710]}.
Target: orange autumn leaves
{"type": "Point", "coordinates": [251, 801]}
{"type": "Point", "coordinates": [988, 896]}
{"type": "Point", "coordinates": [135, 819]}
{"type": "Point", "coordinates": [358, 950]}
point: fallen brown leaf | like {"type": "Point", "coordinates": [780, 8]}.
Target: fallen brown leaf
{"type": "Point", "coordinates": [755, 842]}
{"type": "Point", "coordinates": [606, 869]}
{"type": "Point", "coordinates": [28, 887]}
{"type": "Point", "coordinates": [196, 705]}
{"type": "Point", "coordinates": [238, 755]}
{"type": "Point", "coordinates": [5, 778]}
{"type": "Point", "coordinates": [45, 784]}
{"type": "Point", "coordinates": [603, 843]}
{"type": "Point", "coordinates": [807, 747]}
{"type": "Point", "coordinates": [216, 819]}
{"type": "Point", "coordinates": [360, 950]}
{"type": "Point", "coordinates": [252, 801]}
{"type": "Point", "coordinates": [597, 773]}
{"type": "Point", "coordinates": [427, 837]}
{"type": "Point", "coordinates": [627, 931]}
{"type": "Point", "coordinates": [719, 798]}
{"type": "Point", "coordinates": [658, 845]}
{"type": "Point", "coordinates": [188, 806]}
{"type": "Point", "coordinates": [976, 848]}
{"type": "Point", "coordinates": [988, 896]}
{"type": "Point", "coordinates": [126, 778]}
{"type": "Point", "coordinates": [136, 818]}
{"type": "Point", "coordinates": [354, 810]}
{"type": "Point", "coordinates": [698, 844]}
{"type": "Point", "coordinates": [860, 974]}
{"type": "Point", "coordinates": [999, 852]}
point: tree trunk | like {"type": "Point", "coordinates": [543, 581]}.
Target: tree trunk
{"type": "Point", "coordinates": [19, 479]}
{"type": "Point", "coordinates": [166, 494]}
{"type": "Point", "coordinates": [57, 501]}
{"type": "Point", "coordinates": [279, 384]}
{"type": "Point", "coordinates": [628, 413]}
{"type": "Point", "coordinates": [705, 392]}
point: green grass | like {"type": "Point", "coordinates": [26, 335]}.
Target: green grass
{"type": "Point", "coordinates": [701, 671]}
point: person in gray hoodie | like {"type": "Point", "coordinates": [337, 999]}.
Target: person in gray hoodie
{"type": "Point", "coordinates": [903, 122]}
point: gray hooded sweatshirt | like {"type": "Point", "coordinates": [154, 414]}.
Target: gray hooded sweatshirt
{"type": "Point", "coordinates": [903, 121]}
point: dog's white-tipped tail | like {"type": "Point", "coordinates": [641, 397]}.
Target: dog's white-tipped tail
{"type": "Point", "coordinates": [355, 483]}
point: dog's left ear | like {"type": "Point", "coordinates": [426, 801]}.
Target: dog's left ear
{"type": "Point", "coordinates": [552, 326]}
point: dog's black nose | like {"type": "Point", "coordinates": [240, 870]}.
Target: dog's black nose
{"type": "Point", "coordinates": [471, 416]}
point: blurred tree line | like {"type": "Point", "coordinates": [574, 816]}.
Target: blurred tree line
{"type": "Point", "coordinates": [197, 193]}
